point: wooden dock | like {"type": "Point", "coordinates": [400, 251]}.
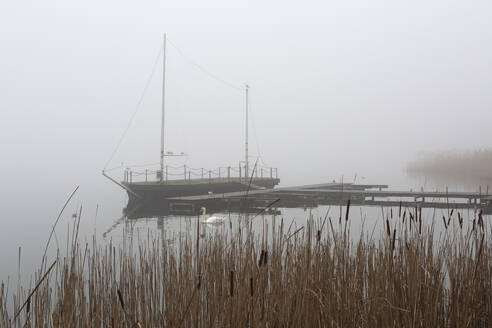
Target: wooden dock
{"type": "Point", "coordinates": [336, 194]}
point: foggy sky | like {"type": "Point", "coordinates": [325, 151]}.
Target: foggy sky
{"type": "Point", "coordinates": [337, 87]}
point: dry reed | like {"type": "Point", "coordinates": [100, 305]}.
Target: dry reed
{"type": "Point", "coordinates": [473, 165]}
{"type": "Point", "coordinates": [313, 277]}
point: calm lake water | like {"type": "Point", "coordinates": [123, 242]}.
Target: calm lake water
{"type": "Point", "coordinates": [27, 223]}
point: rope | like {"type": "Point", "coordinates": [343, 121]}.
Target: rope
{"type": "Point", "coordinates": [114, 168]}
{"type": "Point", "coordinates": [174, 167]}
{"type": "Point", "coordinates": [193, 169]}
{"type": "Point", "coordinates": [203, 70]}
{"type": "Point", "coordinates": [137, 173]}
{"type": "Point", "coordinates": [196, 172]}
{"type": "Point", "coordinates": [175, 174]}
{"type": "Point", "coordinates": [139, 103]}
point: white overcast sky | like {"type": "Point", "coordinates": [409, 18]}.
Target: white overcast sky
{"type": "Point", "coordinates": [337, 87]}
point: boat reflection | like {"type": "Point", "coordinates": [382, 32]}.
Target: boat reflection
{"type": "Point", "coordinates": [212, 207]}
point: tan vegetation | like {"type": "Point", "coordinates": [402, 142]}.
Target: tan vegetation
{"type": "Point", "coordinates": [315, 276]}
{"type": "Point", "coordinates": [470, 164]}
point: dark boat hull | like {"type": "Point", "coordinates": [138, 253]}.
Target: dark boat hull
{"type": "Point", "coordinates": [152, 197]}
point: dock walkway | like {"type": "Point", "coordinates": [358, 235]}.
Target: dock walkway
{"type": "Point", "coordinates": [335, 193]}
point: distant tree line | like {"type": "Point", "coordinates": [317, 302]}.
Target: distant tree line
{"type": "Point", "coordinates": [476, 164]}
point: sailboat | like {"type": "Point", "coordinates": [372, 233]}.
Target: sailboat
{"type": "Point", "coordinates": [151, 194]}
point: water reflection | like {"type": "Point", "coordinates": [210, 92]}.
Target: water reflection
{"type": "Point", "coordinates": [182, 219]}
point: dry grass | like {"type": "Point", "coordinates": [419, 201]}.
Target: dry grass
{"type": "Point", "coordinates": [313, 276]}
{"type": "Point", "coordinates": [470, 164]}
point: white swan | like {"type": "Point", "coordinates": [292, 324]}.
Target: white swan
{"type": "Point", "coordinates": [211, 219]}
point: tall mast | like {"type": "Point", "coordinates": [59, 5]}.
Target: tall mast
{"type": "Point", "coordinates": [163, 107]}
{"type": "Point", "coordinates": [246, 174]}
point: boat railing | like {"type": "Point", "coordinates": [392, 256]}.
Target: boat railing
{"type": "Point", "coordinates": [186, 173]}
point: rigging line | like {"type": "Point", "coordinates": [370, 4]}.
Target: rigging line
{"type": "Point", "coordinates": [205, 71]}
{"type": "Point", "coordinates": [139, 104]}
{"type": "Point", "coordinates": [114, 168]}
